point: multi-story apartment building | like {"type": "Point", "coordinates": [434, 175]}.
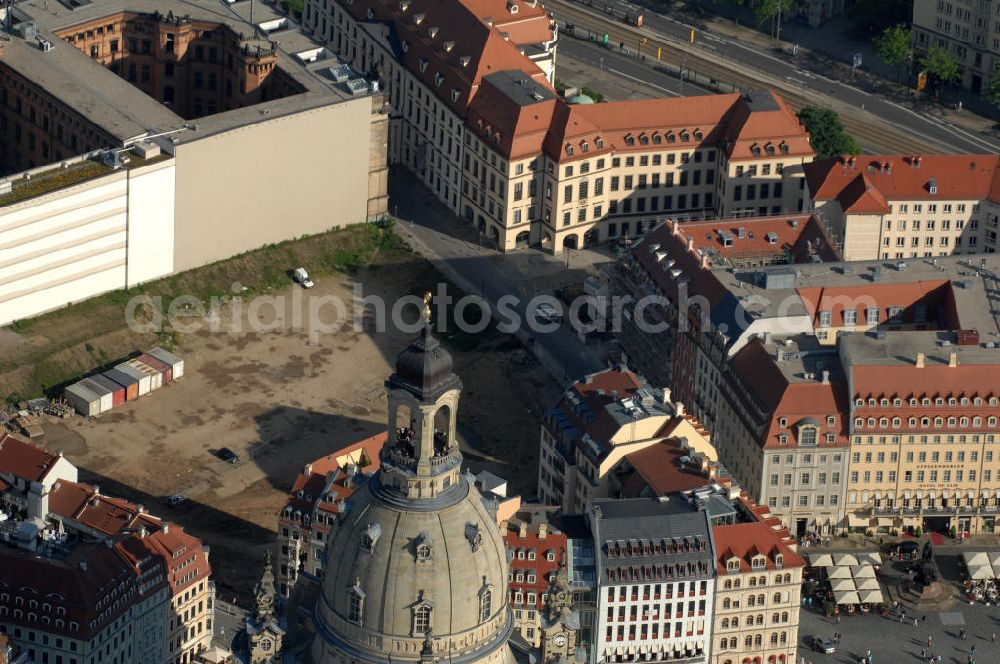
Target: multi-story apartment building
{"type": "Point", "coordinates": [969, 31]}
{"type": "Point", "coordinates": [318, 496]}
{"type": "Point", "coordinates": [904, 207]}
{"type": "Point", "coordinates": [69, 511]}
{"type": "Point", "coordinates": [757, 595]}
{"type": "Point", "coordinates": [925, 438]}
{"type": "Point", "coordinates": [475, 116]}
{"type": "Point", "coordinates": [768, 363]}
{"type": "Point", "coordinates": [597, 423]}
{"type": "Point", "coordinates": [536, 550]}
{"type": "Point", "coordinates": [80, 602]}
{"type": "Point", "coordinates": [655, 569]}
{"type": "Point", "coordinates": [773, 408]}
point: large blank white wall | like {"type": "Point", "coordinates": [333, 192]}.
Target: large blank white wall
{"type": "Point", "coordinates": [151, 222]}
{"type": "Point", "coordinates": [76, 242]}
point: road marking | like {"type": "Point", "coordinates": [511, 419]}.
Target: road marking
{"type": "Point", "coordinates": [795, 80]}
{"type": "Point", "coordinates": [639, 80]}
{"type": "Point", "coordinates": [961, 133]}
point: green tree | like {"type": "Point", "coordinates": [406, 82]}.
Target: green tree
{"type": "Point", "coordinates": [939, 64]}
{"type": "Point", "coordinates": [991, 91]}
{"type": "Point", "coordinates": [772, 10]}
{"type": "Point", "coordinates": [893, 46]}
{"type": "Point", "coordinates": [736, 5]}
{"type": "Point", "coordinates": [827, 134]}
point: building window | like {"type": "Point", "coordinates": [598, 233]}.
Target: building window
{"type": "Point", "coordinates": [356, 605]}
{"type": "Point", "coordinates": [485, 604]}
{"type": "Point", "coordinates": [808, 436]}
{"type": "Point", "coordinates": [421, 618]}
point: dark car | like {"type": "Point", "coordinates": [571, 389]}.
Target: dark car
{"type": "Point", "coordinates": [907, 550]}
{"type": "Point", "coordinates": [823, 645]}
{"type": "Point", "coordinates": [228, 455]}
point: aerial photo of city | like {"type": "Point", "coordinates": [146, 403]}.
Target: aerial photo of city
{"type": "Point", "coordinates": [499, 331]}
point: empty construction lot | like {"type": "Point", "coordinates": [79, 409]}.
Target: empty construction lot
{"type": "Point", "coordinates": [279, 402]}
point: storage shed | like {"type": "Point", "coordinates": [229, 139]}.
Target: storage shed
{"type": "Point", "coordinates": [145, 381]}
{"type": "Point", "coordinates": [117, 391]}
{"type": "Point", "coordinates": [176, 363]}
{"type": "Point", "coordinates": [130, 383]}
{"type": "Point", "coordinates": [155, 377]}
{"type": "Point", "coordinates": [165, 369]}
{"type": "Point", "coordinates": [83, 400]}
{"type": "Point", "coordinates": [107, 400]}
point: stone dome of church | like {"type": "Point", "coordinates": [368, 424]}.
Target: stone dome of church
{"type": "Point", "coordinates": [416, 567]}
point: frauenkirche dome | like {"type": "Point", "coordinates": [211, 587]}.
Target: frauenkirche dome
{"type": "Point", "coordinates": [416, 568]}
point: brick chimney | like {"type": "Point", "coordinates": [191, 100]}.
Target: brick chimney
{"type": "Point", "coordinates": [920, 360]}
{"type": "Point", "coordinates": [953, 360]}
{"type": "Point", "coordinates": [679, 407]}
{"type": "Point", "coordinates": [522, 530]}
{"type": "Point", "coordinates": [543, 530]}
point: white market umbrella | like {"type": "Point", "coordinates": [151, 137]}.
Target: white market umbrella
{"type": "Point", "coordinates": [847, 598]}
{"type": "Point", "coordinates": [821, 560]}
{"type": "Point", "coordinates": [995, 558]}
{"type": "Point", "coordinates": [869, 558]}
{"type": "Point", "coordinates": [842, 585]}
{"type": "Point", "coordinates": [863, 572]}
{"type": "Point", "coordinates": [981, 572]}
{"type": "Point", "coordinates": [871, 596]}
{"type": "Point", "coordinates": [867, 584]}
{"type": "Point", "coordinates": [844, 559]}
{"type": "Point", "coordinates": [839, 573]}
{"type": "Point", "coordinates": [976, 558]}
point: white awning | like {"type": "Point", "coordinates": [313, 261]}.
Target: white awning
{"type": "Point", "coordinates": [842, 585]}
{"type": "Point", "coordinates": [871, 596]}
{"type": "Point", "coordinates": [981, 572]}
{"type": "Point", "coordinates": [863, 572]}
{"type": "Point", "coordinates": [820, 560]}
{"type": "Point", "coordinates": [846, 558]}
{"type": "Point", "coordinates": [838, 572]}
{"type": "Point", "coordinates": [975, 558]}
{"type": "Point", "coordinates": [847, 598]}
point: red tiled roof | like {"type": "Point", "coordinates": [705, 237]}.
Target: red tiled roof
{"type": "Point", "coordinates": [935, 379]}
{"type": "Point", "coordinates": [795, 401]}
{"type": "Point", "coordinates": [554, 541]}
{"type": "Point", "coordinates": [764, 128]}
{"type": "Point", "coordinates": [898, 178]}
{"type": "Point", "coordinates": [312, 484]}
{"type": "Point", "coordinates": [935, 294]}
{"type": "Point", "coordinates": [659, 469]}
{"type": "Point", "coordinates": [746, 540]}
{"type": "Point", "coordinates": [801, 235]}
{"type": "Point", "coordinates": [24, 459]}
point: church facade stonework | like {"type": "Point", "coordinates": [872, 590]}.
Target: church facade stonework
{"type": "Point", "coordinates": [416, 567]}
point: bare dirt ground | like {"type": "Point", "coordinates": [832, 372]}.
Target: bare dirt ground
{"type": "Point", "coordinates": [279, 402]}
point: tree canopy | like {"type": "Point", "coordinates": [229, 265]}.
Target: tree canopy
{"type": "Point", "coordinates": [827, 134]}
{"type": "Point", "coordinates": [939, 64]}
{"type": "Point", "coordinates": [893, 45]}
{"type": "Point", "coordinates": [991, 91]}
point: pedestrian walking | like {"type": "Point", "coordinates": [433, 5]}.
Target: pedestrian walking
{"type": "Point", "coordinates": [993, 637]}
{"type": "Point", "coordinates": [930, 641]}
{"type": "Point", "coordinates": [914, 622]}
{"type": "Point", "coordinates": [972, 650]}
{"type": "Point", "coordinates": [961, 634]}
{"type": "Point", "coordinates": [901, 616]}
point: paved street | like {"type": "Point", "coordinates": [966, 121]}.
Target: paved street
{"type": "Point", "coordinates": [780, 69]}
{"type": "Point", "coordinates": [455, 249]}
{"type": "Point", "coordinates": [895, 643]}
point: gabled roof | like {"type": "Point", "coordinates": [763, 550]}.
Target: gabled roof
{"type": "Point", "coordinates": [24, 459]}
{"type": "Point", "coordinates": [744, 541]}
{"type": "Point", "coordinates": [935, 295]}
{"type": "Point", "coordinates": [904, 177]}
{"type": "Point", "coordinates": [658, 471]}
{"type": "Point", "coordinates": [762, 125]}
{"type": "Point", "coordinates": [860, 196]}
{"type": "Point", "coordinates": [313, 481]}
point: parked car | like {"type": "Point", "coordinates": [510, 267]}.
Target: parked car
{"type": "Point", "coordinates": [548, 313]}
{"type": "Point", "coordinates": [300, 276]}
{"type": "Point", "coordinates": [176, 499]}
{"type": "Point", "coordinates": [909, 550]}
{"type": "Point", "coordinates": [228, 456]}
{"type": "Point", "coordinates": [823, 645]}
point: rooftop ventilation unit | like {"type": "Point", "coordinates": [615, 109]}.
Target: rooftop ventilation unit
{"type": "Point", "coordinates": [45, 45]}
{"type": "Point", "coordinates": [676, 272]}
{"type": "Point", "coordinates": [772, 237]}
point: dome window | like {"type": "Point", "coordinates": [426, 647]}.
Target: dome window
{"type": "Point", "coordinates": [370, 537]}
{"type": "Point", "coordinates": [423, 550]}
{"type": "Point", "coordinates": [356, 603]}
{"type": "Point", "coordinates": [485, 602]}
{"type": "Point", "coordinates": [422, 612]}
{"type": "Point", "coordinates": [474, 536]}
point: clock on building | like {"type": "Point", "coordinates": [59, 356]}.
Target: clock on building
{"type": "Point", "coordinates": [265, 645]}
{"type": "Point", "coordinates": [559, 640]}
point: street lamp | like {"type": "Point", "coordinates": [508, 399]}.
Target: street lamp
{"type": "Point", "coordinates": [602, 64]}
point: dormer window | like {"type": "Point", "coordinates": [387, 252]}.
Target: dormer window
{"type": "Point", "coordinates": [438, 79]}
{"type": "Point", "coordinates": [657, 139]}
{"type": "Point", "coordinates": [422, 611]}
{"type": "Point", "coordinates": [758, 562]}
{"type": "Point", "coordinates": [370, 537]}
{"type": "Point", "coordinates": [432, 32]}
{"type": "Point", "coordinates": [585, 147]}
{"type": "Point", "coordinates": [371, 14]}
{"type": "Point", "coordinates": [418, 18]}
{"type": "Point", "coordinates": [685, 137]}
{"type": "Point", "coordinates": [698, 135]}
{"type": "Point", "coordinates": [643, 139]}
{"type": "Point", "coordinates": [423, 65]}
{"type": "Point", "coordinates": [455, 94]}
{"type": "Point", "coordinates": [779, 560]}
{"type": "Point", "coordinates": [569, 150]}
{"type": "Point", "coordinates": [671, 138]}
{"type": "Point", "coordinates": [733, 565]}
{"type": "Point", "coordinates": [404, 5]}
{"type": "Point", "coordinates": [769, 149]}
{"type": "Point", "coordinates": [629, 140]}
{"type": "Point", "coordinates": [755, 150]}
{"type": "Point", "coordinates": [599, 142]}
{"type": "Point", "coordinates": [423, 550]}
{"type": "Point", "coordinates": [784, 148]}
{"type": "Point", "coordinates": [448, 46]}
{"type": "Point", "coordinates": [474, 536]}
{"type": "Point", "coordinates": [405, 45]}
{"type": "Point", "coordinates": [464, 60]}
